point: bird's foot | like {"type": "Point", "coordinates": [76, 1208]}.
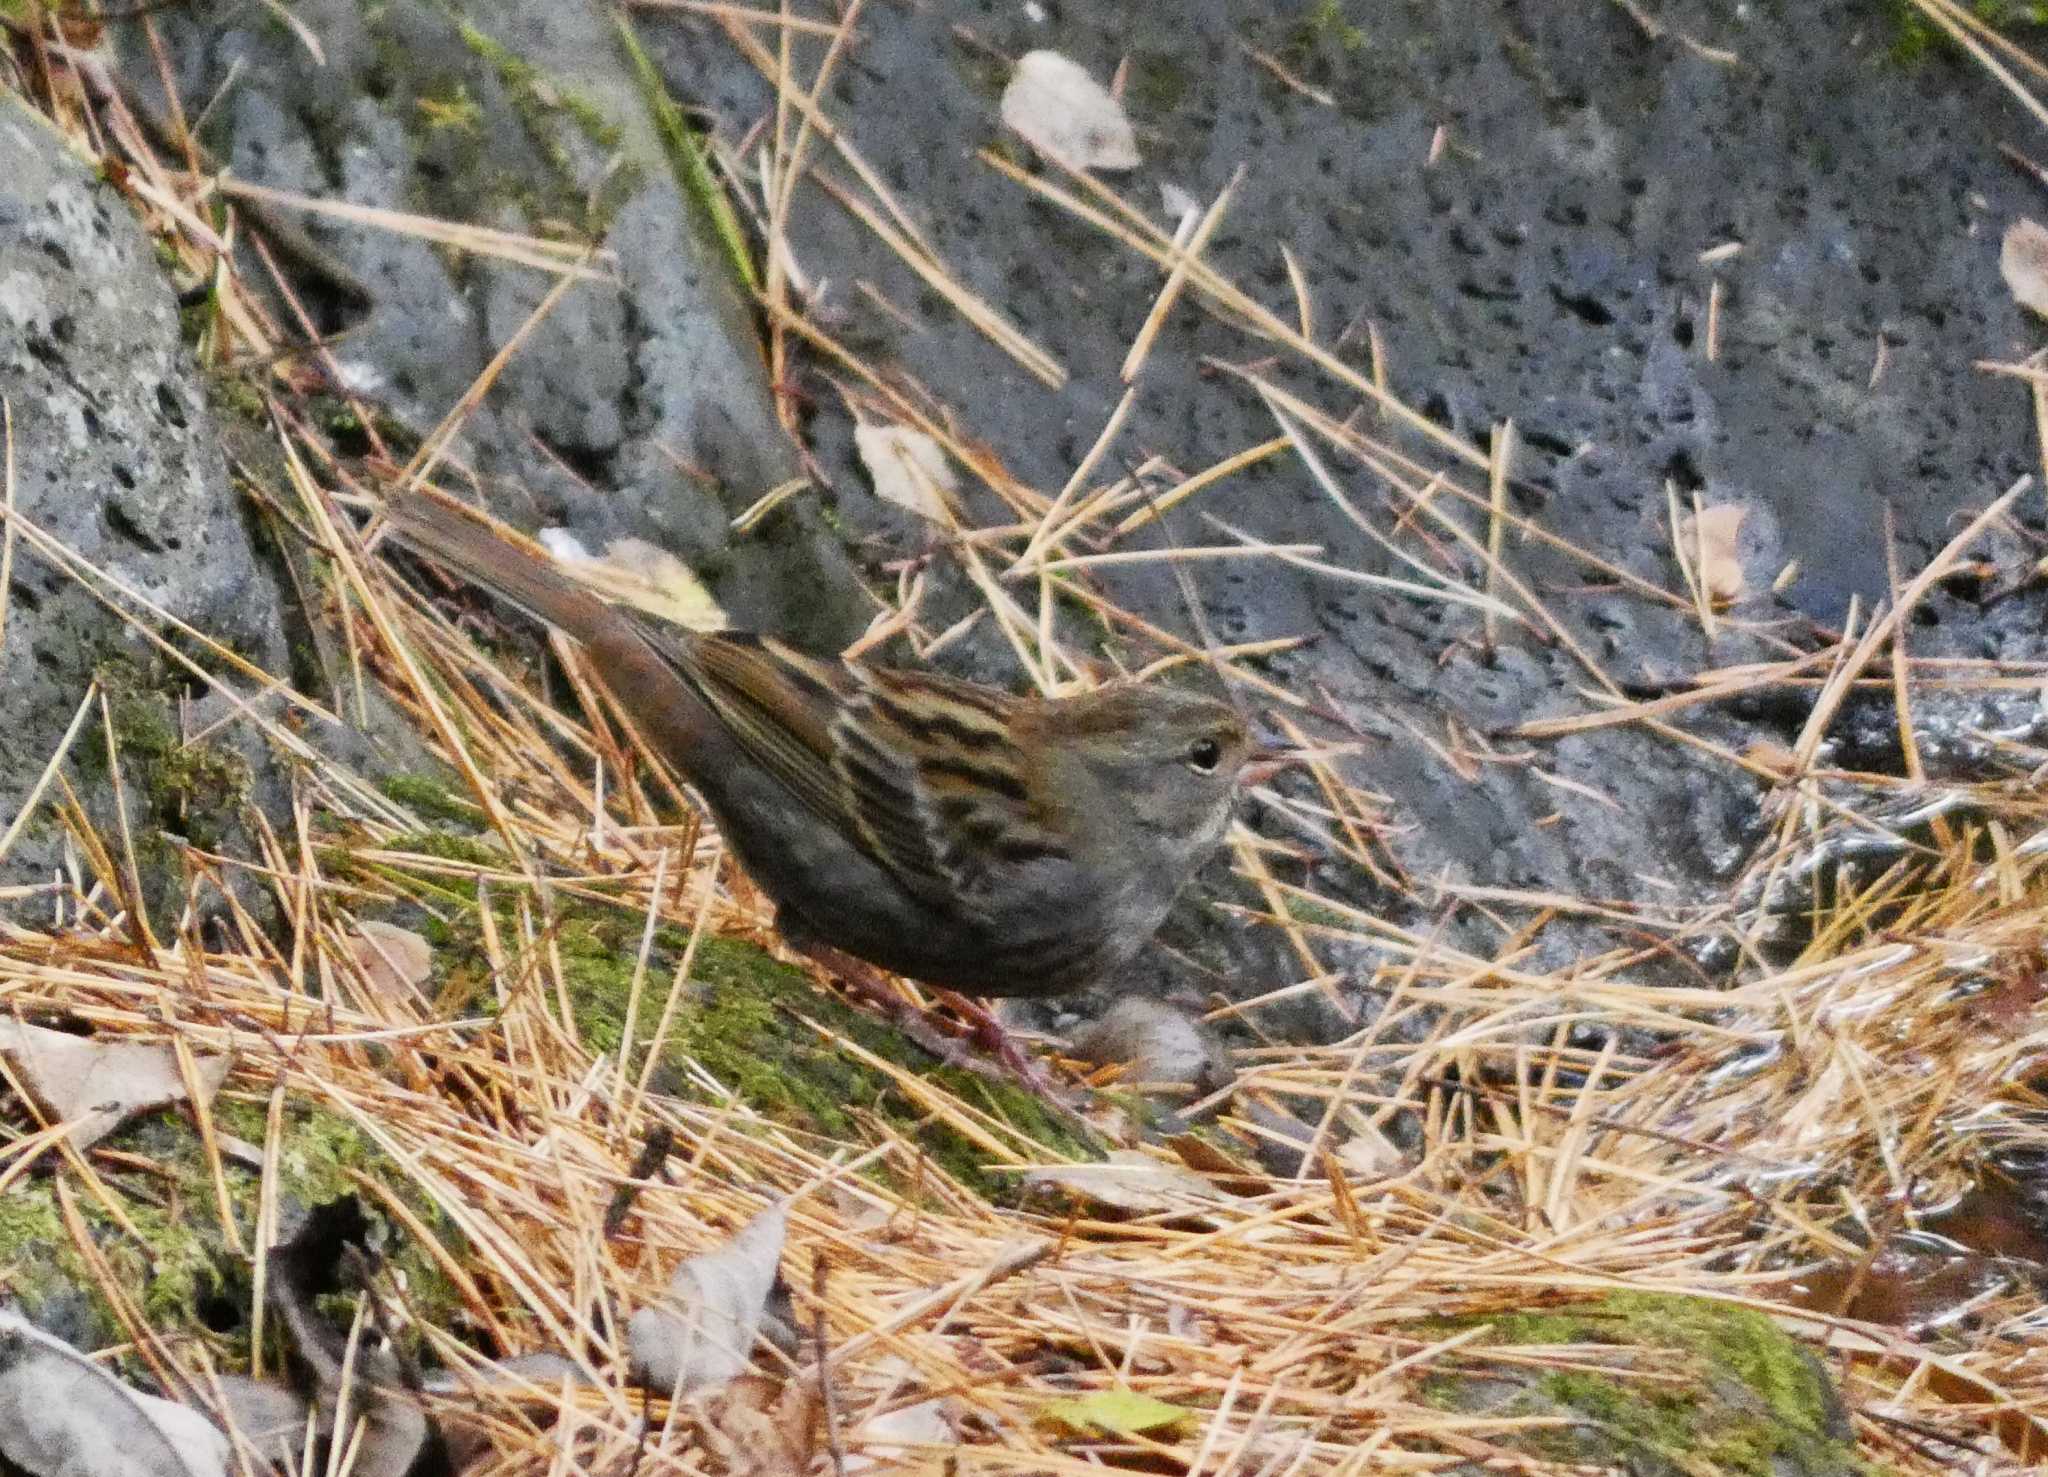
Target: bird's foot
{"type": "Point", "coordinates": [986, 1049]}
{"type": "Point", "coordinates": [987, 1033]}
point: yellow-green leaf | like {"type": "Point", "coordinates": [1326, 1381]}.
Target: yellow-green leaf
{"type": "Point", "coordinates": [1118, 1411]}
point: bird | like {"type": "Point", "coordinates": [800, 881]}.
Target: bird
{"type": "Point", "coordinates": [952, 833]}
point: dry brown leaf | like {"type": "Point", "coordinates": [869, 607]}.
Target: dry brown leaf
{"type": "Point", "coordinates": [762, 1427]}
{"type": "Point", "coordinates": [1067, 115]}
{"type": "Point", "coordinates": [643, 575]}
{"type": "Point", "coordinates": [1712, 540]}
{"type": "Point", "coordinates": [94, 1085]}
{"type": "Point", "coordinates": [396, 961]}
{"type": "Point", "coordinates": [702, 1332]}
{"type": "Point", "coordinates": [1133, 1182]}
{"type": "Point", "coordinates": [2023, 262]}
{"type": "Point", "coordinates": [909, 469]}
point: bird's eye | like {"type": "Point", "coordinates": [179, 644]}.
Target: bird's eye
{"type": "Point", "coordinates": [1204, 755]}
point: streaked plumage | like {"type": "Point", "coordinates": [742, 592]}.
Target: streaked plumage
{"type": "Point", "coordinates": [963, 836]}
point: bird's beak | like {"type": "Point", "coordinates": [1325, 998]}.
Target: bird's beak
{"type": "Point", "coordinates": [1266, 761]}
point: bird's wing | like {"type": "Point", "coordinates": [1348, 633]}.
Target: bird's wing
{"type": "Point", "coordinates": [777, 704]}
{"type": "Point", "coordinates": [939, 788]}
{"type": "Point", "coordinates": [920, 772]}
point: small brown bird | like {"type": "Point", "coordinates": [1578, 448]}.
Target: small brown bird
{"type": "Point", "coordinates": [952, 833]}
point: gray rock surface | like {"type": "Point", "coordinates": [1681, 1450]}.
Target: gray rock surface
{"type": "Point", "coordinates": [640, 405]}
{"type": "Point", "coordinates": [116, 456]}
{"type": "Point", "coordinates": [1545, 268]}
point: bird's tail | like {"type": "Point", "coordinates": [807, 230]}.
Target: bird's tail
{"type": "Point", "coordinates": [447, 534]}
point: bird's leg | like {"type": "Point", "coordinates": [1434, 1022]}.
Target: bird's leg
{"type": "Point", "coordinates": [985, 1032]}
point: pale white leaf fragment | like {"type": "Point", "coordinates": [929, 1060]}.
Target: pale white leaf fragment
{"type": "Point", "coordinates": [1712, 539]}
{"type": "Point", "coordinates": [61, 1415]}
{"type": "Point", "coordinates": [2023, 262]}
{"type": "Point", "coordinates": [643, 575]}
{"type": "Point", "coordinates": [908, 469]}
{"type": "Point", "coordinates": [1067, 115]}
{"type": "Point", "coordinates": [884, 1440]}
{"type": "Point", "coordinates": [1371, 1155]}
{"type": "Point", "coordinates": [396, 961]}
{"type": "Point", "coordinates": [95, 1085]}
{"type": "Point", "coordinates": [702, 1332]}
{"type": "Point", "coordinates": [266, 1415]}
{"type": "Point", "coordinates": [1131, 1181]}
{"type": "Point", "coordinates": [1161, 1045]}
{"type": "Point", "coordinates": [1181, 207]}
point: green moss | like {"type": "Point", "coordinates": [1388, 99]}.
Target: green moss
{"type": "Point", "coordinates": [451, 107]}
{"type": "Point", "coordinates": [1915, 36]}
{"type": "Point", "coordinates": [179, 1268]}
{"type": "Point", "coordinates": [1327, 23]}
{"type": "Point", "coordinates": [1753, 1404]}
{"type": "Point", "coordinates": [430, 798]}
{"type": "Point", "coordinates": [37, 1262]}
{"type": "Point", "coordinates": [232, 395]}
{"type": "Point", "coordinates": [467, 849]}
{"type": "Point", "coordinates": [1158, 83]}
{"type": "Point", "coordinates": [543, 103]}
{"type": "Point", "coordinates": [192, 790]}
{"type": "Point", "coordinates": [744, 1024]}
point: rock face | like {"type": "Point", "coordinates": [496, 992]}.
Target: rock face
{"type": "Point", "coordinates": [1545, 266]}
{"type": "Point", "coordinates": [1610, 201]}
{"type": "Point", "coordinates": [639, 406]}
{"type": "Point", "coordinates": [116, 457]}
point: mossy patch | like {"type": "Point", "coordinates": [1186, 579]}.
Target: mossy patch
{"type": "Point", "coordinates": [744, 1024]}
{"type": "Point", "coordinates": [1752, 1402]}
{"type": "Point", "coordinates": [178, 1268]}
{"type": "Point", "coordinates": [1915, 36]}
{"type": "Point", "coordinates": [194, 790]}
{"type": "Point", "coordinates": [550, 110]}
{"type": "Point", "coordinates": [431, 799]}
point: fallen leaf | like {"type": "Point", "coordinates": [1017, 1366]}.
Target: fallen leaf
{"type": "Point", "coordinates": [1067, 115]}
{"type": "Point", "coordinates": [1161, 1045]}
{"type": "Point", "coordinates": [1221, 1168]}
{"type": "Point", "coordinates": [1712, 540]}
{"type": "Point", "coordinates": [1118, 1411]}
{"type": "Point", "coordinates": [702, 1332]}
{"type": "Point", "coordinates": [466, 1422]}
{"type": "Point", "coordinates": [62, 1415]}
{"type": "Point", "coordinates": [1131, 1181]}
{"type": "Point", "coordinates": [266, 1415]}
{"type": "Point", "coordinates": [762, 1427]}
{"type": "Point", "coordinates": [643, 575]}
{"type": "Point", "coordinates": [908, 469]}
{"type": "Point", "coordinates": [882, 1441]}
{"type": "Point", "coordinates": [1371, 1155]}
{"type": "Point", "coordinates": [2023, 262]}
{"type": "Point", "coordinates": [543, 1369]}
{"type": "Point", "coordinates": [396, 961]}
{"type": "Point", "coordinates": [95, 1085]}
{"type": "Point", "coordinates": [1180, 206]}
